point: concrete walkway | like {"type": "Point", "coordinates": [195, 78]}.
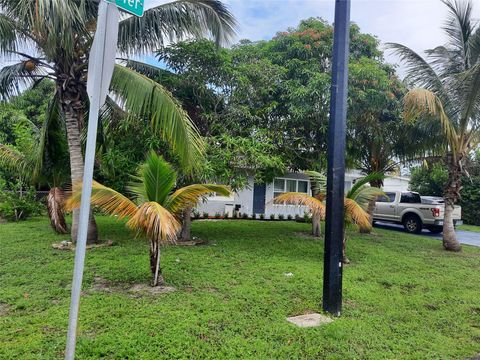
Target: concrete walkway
{"type": "Point", "coordinates": [465, 237]}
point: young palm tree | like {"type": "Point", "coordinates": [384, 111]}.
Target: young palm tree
{"type": "Point", "coordinates": [448, 93]}
{"type": "Point", "coordinates": [155, 207]}
{"type": "Point", "coordinates": [356, 204]}
{"type": "Point", "coordinates": [51, 39]}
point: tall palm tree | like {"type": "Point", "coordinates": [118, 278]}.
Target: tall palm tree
{"type": "Point", "coordinates": [448, 92]}
{"type": "Point", "coordinates": [355, 205]}
{"type": "Point", "coordinates": [154, 208]}
{"type": "Point", "coordinates": [51, 39]}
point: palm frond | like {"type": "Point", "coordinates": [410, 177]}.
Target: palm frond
{"type": "Point", "coordinates": [55, 207]}
{"type": "Point", "coordinates": [366, 194]}
{"type": "Point", "coordinates": [9, 35]}
{"type": "Point", "coordinates": [418, 70]}
{"type": "Point", "coordinates": [459, 27]}
{"type": "Point", "coordinates": [360, 183]}
{"type": "Point", "coordinates": [108, 200]}
{"type": "Point", "coordinates": [422, 102]}
{"type": "Point", "coordinates": [145, 98]}
{"type": "Point", "coordinates": [470, 81]}
{"type": "Point", "coordinates": [148, 70]}
{"type": "Point", "coordinates": [52, 120]}
{"type": "Point", "coordinates": [156, 222]}
{"type": "Point", "coordinates": [293, 198]}
{"type": "Point", "coordinates": [156, 179]}
{"type": "Point", "coordinates": [318, 181]}
{"type": "Point", "coordinates": [14, 160]}
{"type": "Point", "coordinates": [474, 48]}
{"type": "Point", "coordinates": [356, 215]}
{"type": "Point", "coordinates": [174, 21]}
{"type": "Point", "coordinates": [16, 77]}
{"type": "Point", "coordinates": [189, 196]}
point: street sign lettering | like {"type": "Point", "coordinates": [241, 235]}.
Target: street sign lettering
{"type": "Point", "coordinates": [134, 7]}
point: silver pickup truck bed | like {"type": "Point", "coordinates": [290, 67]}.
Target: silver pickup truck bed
{"type": "Point", "coordinates": [407, 208]}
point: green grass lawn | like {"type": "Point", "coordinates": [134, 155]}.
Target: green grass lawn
{"type": "Point", "coordinates": [404, 298]}
{"type": "Point", "coordinates": [469, 228]}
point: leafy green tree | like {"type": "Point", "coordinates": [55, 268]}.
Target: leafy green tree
{"type": "Point", "coordinates": [447, 91]}
{"type": "Point", "coordinates": [59, 50]}
{"type": "Point", "coordinates": [429, 180]}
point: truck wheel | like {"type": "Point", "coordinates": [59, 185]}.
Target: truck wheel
{"type": "Point", "coordinates": [435, 229]}
{"type": "Point", "coordinates": [412, 224]}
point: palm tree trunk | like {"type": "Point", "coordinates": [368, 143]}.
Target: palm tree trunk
{"type": "Point", "coordinates": [157, 278]}
{"type": "Point", "coordinates": [73, 120]}
{"type": "Point", "coordinates": [451, 195]}
{"type": "Point", "coordinates": [316, 225]}
{"type": "Point", "coordinates": [185, 234]}
{"type": "Point", "coordinates": [55, 202]}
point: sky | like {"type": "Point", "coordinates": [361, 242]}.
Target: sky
{"type": "Point", "coordinates": [415, 23]}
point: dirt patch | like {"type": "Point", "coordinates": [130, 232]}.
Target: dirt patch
{"type": "Point", "coordinates": [68, 245]}
{"type": "Point", "coordinates": [194, 242]}
{"type": "Point", "coordinates": [101, 284]}
{"type": "Point", "coordinates": [4, 309]}
{"type": "Point", "coordinates": [145, 289]}
{"type": "Point", "coordinates": [308, 235]}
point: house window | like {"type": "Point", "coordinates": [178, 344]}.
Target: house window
{"type": "Point", "coordinates": [302, 186]}
{"type": "Point", "coordinates": [281, 186]}
{"type": "Point", "coordinates": [278, 187]}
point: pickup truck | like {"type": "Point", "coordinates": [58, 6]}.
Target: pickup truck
{"type": "Point", "coordinates": [407, 208]}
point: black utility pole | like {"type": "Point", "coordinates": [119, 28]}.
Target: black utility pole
{"type": "Point", "coordinates": [332, 270]}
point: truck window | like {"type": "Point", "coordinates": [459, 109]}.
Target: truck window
{"type": "Point", "coordinates": [410, 198]}
{"type": "Point", "coordinates": [389, 198]}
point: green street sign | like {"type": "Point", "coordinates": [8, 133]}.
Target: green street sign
{"type": "Point", "coordinates": [134, 7]}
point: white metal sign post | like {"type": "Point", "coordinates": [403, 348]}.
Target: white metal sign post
{"type": "Point", "coordinates": [100, 71]}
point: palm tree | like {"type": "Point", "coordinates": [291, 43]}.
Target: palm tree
{"type": "Point", "coordinates": [447, 92]}
{"type": "Point", "coordinates": [355, 204]}
{"type": "Point", "coordinates": [154, 208]}
{"type": "Point", "coordinates": [51, 39]}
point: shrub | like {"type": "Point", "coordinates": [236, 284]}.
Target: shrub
{"type": "Point", "coordinates": [262, 216]}
{"type": "Point", "coordinates": [289, 217]}
{"type": "Point", "coordinates": [235, 215]}
{"type": "Point", "coordinates": [16, 205]}
{"type": "Point", "coordinates": [218, 215]}
{"type": "Point", "coordinates": [297, 217]}
{"type": "Point", "coordinates": [254, 216]}
{"type": "Point", "coordinates": [196, 214]}
{"type": "Point", "coordinates": [272, 216]}
{"type": "Point", "coordinates": [244, 216]}
{"type": "Point", "coordinates": [226, 216]}
{"type": "Point", "coordinates": [281, 217]}
{"type": "Point", "coordinates": [205, 215]}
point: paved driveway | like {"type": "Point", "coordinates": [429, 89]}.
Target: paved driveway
{"type": "Point", "coordinates": [465, 237]}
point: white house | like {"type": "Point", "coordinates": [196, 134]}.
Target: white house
{"type": "Point", "coordinates": [257, 198]}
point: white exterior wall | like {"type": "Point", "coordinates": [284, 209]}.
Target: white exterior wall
{"type": "Point", "coordinates": [244, 197]}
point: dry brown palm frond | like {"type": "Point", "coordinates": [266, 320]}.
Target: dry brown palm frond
{"type": "Point", "coordinates": [315, 205]}
{"type": "Point", "coordinates": [356, 215]}
{"type": "Point", "coordinates": [55, 206]}
{"type": "Point", "coordinates": [159, 224]}
{"type": "Point", "coordinates": [110, 201]}
{"type": "Point", "coordinates": [188, 196]}
{"type": "Point", "coordinates": [422, 102]}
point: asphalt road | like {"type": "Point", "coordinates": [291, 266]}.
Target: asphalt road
{"type": "Point", "coordinates": [465, 237]}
